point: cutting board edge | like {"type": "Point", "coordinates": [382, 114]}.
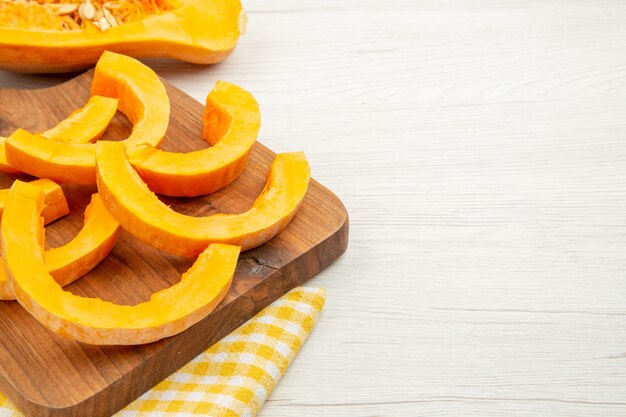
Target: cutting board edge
{"type": "Point", "coordinates": [288, 273]}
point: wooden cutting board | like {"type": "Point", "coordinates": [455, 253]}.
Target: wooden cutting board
{"type": "Point", "coordinates": [47, 375]}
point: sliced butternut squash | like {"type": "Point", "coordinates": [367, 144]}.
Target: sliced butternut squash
{"type": "Point", "coordinates": [141, 97]}
{"type": "Point", "coordinates": [91, 245]}
{"type": "Point", "coordinates": [86, 124]}
{"type": "Point", "coordinates": [231, 125]}
{"type": "Point", "coordinates": [80, 255]}
{"type": "Point", "coordinates": [140, 211]}
{"type": "Point", "coordinates": [63, 162]}
{"type": "Point", "coordinates": [4, 164]}
{"type": "Point", "coordinates": [54, 199]}
{"type": "Point", "coordinates": [38, 37]}
{"type": "Point", "coordinates": [91, 320]}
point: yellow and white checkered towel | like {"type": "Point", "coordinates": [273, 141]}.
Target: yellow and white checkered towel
{"type": "Point", "coordinates": [235, 376]}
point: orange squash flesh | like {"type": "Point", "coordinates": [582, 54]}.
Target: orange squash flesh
{"type": "Point", "coordinates": [141, 94]}
{"type": "Point", "coordinates": [86, 124]}
{"type": "Point", "coordinates": [91, 320]}
{"type": "Point", "coordinates": [199, 31]}
{"type": "Point", "coordinates": [54, 200]}
{"type": "Point", "coordinates": [4, 164]}
{"type": "Point", "coordinates": [231, 125]}
{"type": "Point", "coordinates": [80, 255]}
{"type": "Point", "coordinates": [141, 97]}
{"type": "Point", "coordinates": [91, 245]}
{"type": "Point", "coordinates": [140, 212]}
{"type": "Point", "coordinates": [73, 163]}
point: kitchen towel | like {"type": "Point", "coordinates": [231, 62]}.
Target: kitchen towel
{"type": "Point", "coordinates": [235, 376]}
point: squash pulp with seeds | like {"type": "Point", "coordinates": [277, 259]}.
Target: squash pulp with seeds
{"type": "Point", "coordinates": [92, 320]}
{"type": "Point", "coordinates": [68, 35]}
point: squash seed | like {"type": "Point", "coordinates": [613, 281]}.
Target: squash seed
{"type": "Point", "coordinates": [66, 8]}
{"type": "Point", "coordinates": [86, 11]}
{"type": "Point", "coordinates": [103, 24]}
{"type": "Point", "coordinates": [110, 18]}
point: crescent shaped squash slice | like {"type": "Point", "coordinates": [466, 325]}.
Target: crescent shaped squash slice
{"type": "Point", "coordinates": [71, 261]}
{"type": "Point", "coordinates": [91, 320]}
{"type": "Point", "coordinates": [55, 204]}
{"type": "Point", "coordinates": [40, 38]}
{"type": "Point", "coordinates": [231, 125]}
{"type": "Point", "coordinates": [4, 164]}
{"type": "Point", "coordinates": [141, 97]}
{"type": "Point", "coordinates": [140, 211]}
{"type": "Point", "coordinates": [86, 124]}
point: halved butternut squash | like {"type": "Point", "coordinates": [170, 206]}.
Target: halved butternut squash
{"type": "Point", "coordinates": [199, 31]}
{"type": "Point", "coordinates": [140, 211]}
{"type": "Point", "coordinates": [231, 125]}
{"type": "Point", "coordinates": [80, 255]}
{"type": "Point", "coordinates": [91, 320]}
{"type": "Point", "coordinates": [86, 124]}
{"type": "Point", "coordinates": [141, 97]}
{"type": "Point", "coordinates": [54, 200]}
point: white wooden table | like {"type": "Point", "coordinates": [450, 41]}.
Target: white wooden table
{"type": "Point", "coordinates": [480, 148]}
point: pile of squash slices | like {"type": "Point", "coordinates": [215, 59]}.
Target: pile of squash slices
{"type": "Point", "coordinates": [128, 173]}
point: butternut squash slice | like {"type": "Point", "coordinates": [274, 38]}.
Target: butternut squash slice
{"type": "Point", "coordinates": [140, 211]}
{"type": "Point", "coordinates": [141, 97]}
{"type": "Point", "coordinates": [141, 94]}
{"type": "Point", "coordinates": [91, 320]}
{"type": "Point", "coordinates": [86, 124]}
{"type": "Point", "coordinates": [4, 164]}
{"type": "Point", "coordinates": [54, 199]}
{"type": "Point", "coordinates": [231, 125]}
{"type": "Point", "coordinates": [71, 261]}
{"type": "Point", "coordinates": [40, 38]}
{"type": "Point", "coordinates": [91, 245]}
{"type": "Point", "coordinates": [63, 162]}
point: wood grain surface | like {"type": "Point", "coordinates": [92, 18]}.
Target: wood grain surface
{"type": "Point", "coordinates": [480, 148]}
{"type": "Point", "coordinates": [46, 375]}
